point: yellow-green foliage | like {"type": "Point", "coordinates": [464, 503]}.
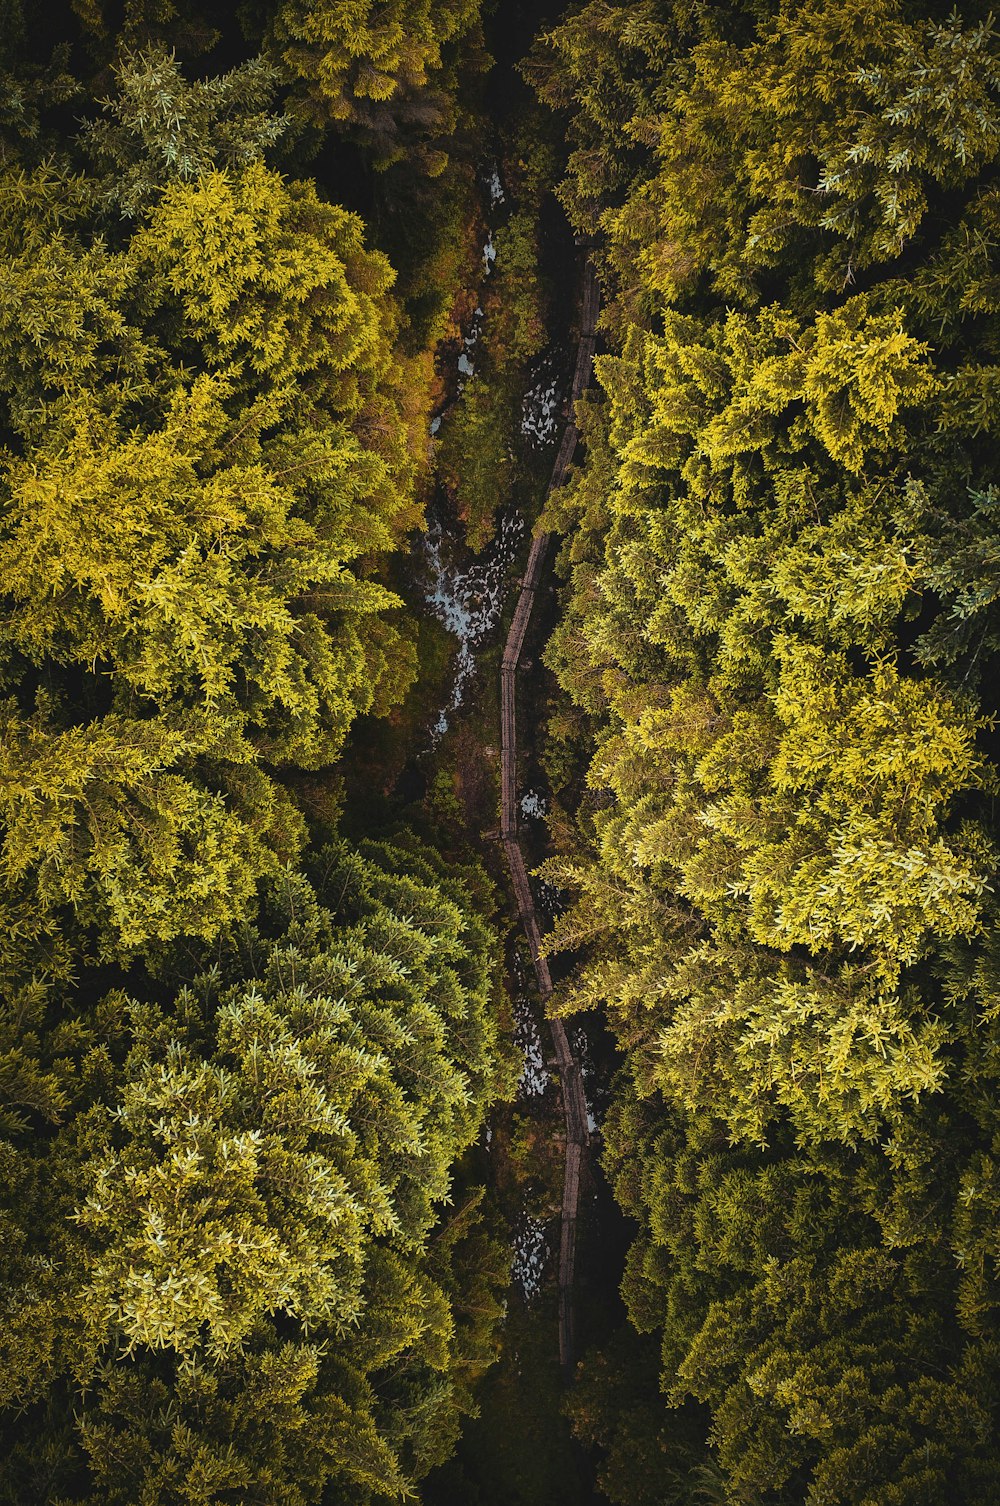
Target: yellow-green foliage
{"type": "Point", "coordinates": [225, 1244]}
{"type": "Point", "coordinates": [357, 52]}
{"type": "Point", "coordinates": [383, 72]}
{"type": "Point", "coordinates": [205, 442]}
{"type": "Point", "coordinates": [238, 1262]}
{"type": "Point", "coordinates": [387, 73]}
{"type": "Point", "coordinates": [781, 620]}
{"type": "Point", "coordinates": [797, 798]}
{"type": "Point", "coordinates": [812, 143]}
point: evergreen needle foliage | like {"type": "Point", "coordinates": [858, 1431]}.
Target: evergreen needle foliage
{"type": "Point", "coordinates": [241, 1060]}
{"type": "Point", "coordinates": [779, 624]}
{"type": "Point", "coordinates": [245, 1250]}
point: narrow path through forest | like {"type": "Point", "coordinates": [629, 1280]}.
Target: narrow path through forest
{"type": "Point", "coordinates": [570, 1074]}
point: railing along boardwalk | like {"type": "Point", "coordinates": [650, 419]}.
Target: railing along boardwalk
{"type": "Point", "coordinates": [570, 1075]}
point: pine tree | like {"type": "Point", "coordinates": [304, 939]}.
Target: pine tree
{"type": "Point", "coordinates": [383, 73]}
{"type": "Point", "coordinates": [248, 1180]}
{"type": "Point", "coordinates": [205, 443]}
{"type": "Point", "coordinates": [780, 621]}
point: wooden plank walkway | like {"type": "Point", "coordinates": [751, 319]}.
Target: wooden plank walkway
{"type": "Point", "coordinates": [570, 1075]}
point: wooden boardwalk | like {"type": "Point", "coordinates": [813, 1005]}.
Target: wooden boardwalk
{"type": "Point", "coordinates": [570, 1075]}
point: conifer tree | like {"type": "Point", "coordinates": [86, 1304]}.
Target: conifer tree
{"type": "Point", "coordinates": [238, 1283]}
{"type": "Point", "coordinates": [204, 443]}
{"type": "Point", "coordinates": [780, 622]}
{"type": "Point", "coordinates": [238, 1259]}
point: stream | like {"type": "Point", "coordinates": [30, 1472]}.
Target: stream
{"type": "Point", "coordinates": [562, 1224]}
{"type": "Point", "coordinates": [467, 593]}
{"type": "Point", "coordinates": [463, 590]}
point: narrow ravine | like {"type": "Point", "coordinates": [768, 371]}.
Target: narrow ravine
{"type": "Point", "coordinates": [570, 1069]}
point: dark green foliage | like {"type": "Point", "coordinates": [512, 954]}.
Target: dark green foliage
{"type": "Point", "coordinates": [649, 1457]}
{"type": "Point", "coordinates": [781, 622]}
{"type": "Point", "coordinates": [226, 1245]}
{"type": "Point", "coordinates": [245, 1255]}
{"type": "Point", "coordinates": [389, 76]}
{"type": "Point", "coordinates": [479, 456]}
{"type": "Point", "coordinates": [159, 128]}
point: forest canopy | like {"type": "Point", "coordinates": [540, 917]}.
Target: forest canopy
{"type": "Point", "coordinates": [243, 1054]}
{"type": "Point", "coordinates": [779, 629]}
{"type": "Point", "coordinates": [283, 284]}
